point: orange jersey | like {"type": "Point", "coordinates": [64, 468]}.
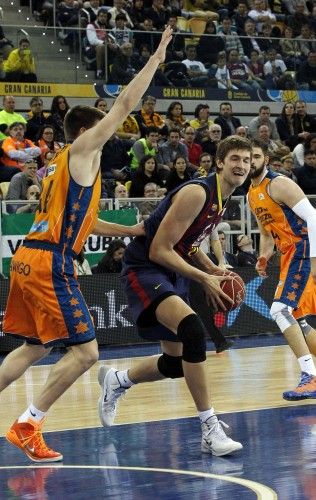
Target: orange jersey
{"type": "Point", "coordinates": [284, 225]}
{"type": "Point", "coordinates": [66, 212]}
{"type": "Point", "coordinates": [11, 144]}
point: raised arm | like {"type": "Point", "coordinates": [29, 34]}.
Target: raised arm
{"type": "Point", "coordinates": [94, 138]}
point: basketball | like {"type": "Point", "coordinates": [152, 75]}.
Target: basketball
{"type": "Point", "coordinates": [235, 289]}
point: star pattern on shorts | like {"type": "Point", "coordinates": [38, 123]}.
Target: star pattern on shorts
{"type": "Point", "coordinates": [73, 218]}
{"type": "Point", "coordinates": [74, 301]}
{"type": "Point", "coordinates": [76, 206]}
{"type": "Point", "coordinates": [291, 296]}
{"type": "Point", "coordinates": [298, 277]}
{"type": "Point", "coordinates": [69, 231]}
{"type": "Point", "coordinates": [77, 313]}
{"type": "Point", "coordinates": [295, 286]}
{"type": "Point", "coordinates": [82, 327]}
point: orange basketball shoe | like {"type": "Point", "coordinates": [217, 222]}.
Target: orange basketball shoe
{"type": "Point", "coordinates": [28, 437]}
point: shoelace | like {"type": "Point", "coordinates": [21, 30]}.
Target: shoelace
{"type": "Point", "coordinates": [217, 428]}
{"type": "Point", "coordinates": [40, 443]}
{"type": "Point", "coordinates": [305, 379]}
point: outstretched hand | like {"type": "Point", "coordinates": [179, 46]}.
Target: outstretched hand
{"type": "Point", "coordinates": [164, 42]}
{"type": "Point", "coordinates": [261, 266]}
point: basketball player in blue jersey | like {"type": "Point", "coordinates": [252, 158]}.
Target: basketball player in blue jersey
{"type": "Point", "coordinates": [156, 273]}
{"type": "Point", "coordinates": [45, 304]}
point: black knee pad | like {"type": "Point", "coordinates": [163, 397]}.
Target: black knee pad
{"type": "Point", "coordinates": [192, 332]}
{"type": "Point", "coordinates": [170, 366]}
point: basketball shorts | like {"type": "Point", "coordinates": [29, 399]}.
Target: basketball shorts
{"type": "Point", "coordinates": [296, 287]}
{"type": "Point", "coordinates": [45, 304]}
{"type": "Point", "coordinates": [145, 288]}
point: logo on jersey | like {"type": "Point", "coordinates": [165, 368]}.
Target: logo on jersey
{"type": "Point", "coordinates": [39, 227]}
{"type": "Point", "coordinates": [51, 169]}
{"type": "Point", "coordinates": [261, 196]}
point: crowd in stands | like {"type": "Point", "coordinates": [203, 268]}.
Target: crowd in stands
{"type": "Point", "coordinates": [243, 44]}
{"type": "Point", "coordinates": [152, 153]}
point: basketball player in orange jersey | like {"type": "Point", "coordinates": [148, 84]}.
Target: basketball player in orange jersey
{"type": "Point", "coordinates": [45, 304]}
{"type": "Point", "coordinates": [288, 220]}
{"type": "Point", "coordinates": [157, 269]}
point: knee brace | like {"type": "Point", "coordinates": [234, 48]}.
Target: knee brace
{"type": "Point", "coordinates": [282, 315]}
{"type": "Point", "coordinates": [305, 327]}
{"type": "Point", "coordinates": [170, 366]}
{"type": "Point", "coordinates": [192, 332]}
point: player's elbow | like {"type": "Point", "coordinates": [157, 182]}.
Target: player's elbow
{"type": "Point", "coordinates": [154, 254]}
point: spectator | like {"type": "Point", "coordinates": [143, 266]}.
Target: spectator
{"type": "Point", "coordinates": [115, 162]}
{"type": "Point", "coordinates": [211, 140]}
{"type": "Point", "coordinates": [8, 116]}
{"type": "Point", "coordinates": [147, 171]}
{"type": "Point", "coordinates": [121, 33]}
{"type": "Point", "coordinates": [122, 70]}
{"type": "Point", "coordinates": [256, 67]}
{"type": "Point", "coordinates": [178, 174]}
{"type": "Point", "coordinates": [260, 15]}
{"type": "Point", "coordinates": [136, 14]}
{"type": "Point", "coordinates": [21, 182]}
{"type": "Point", "coordinates": [205, 165]}
{"type": "Point", "coordinates": [129, 129]}
{"type": "Point", "coordinates": [111, 262]}
{"type": "Point", "coordinates": [288, 167]}
{"type": "Point", "coordinates": [285, 125]}
{"type": "Point", "coordinates": [307, 145]}
{"type": "Point", "coordinates": [306, 175]}
{"type": "Point", "coordinates": [266, 40]}
{"type": "Point", "coordinates": [306, 74]}
{"type": "Point", "coordinates": [81, 265]}
{"type": "Point", "coordinates": [306, 41]}
{"type": "Point", "coordinates": [297, 18]}
{"type": "Point", "coordinates": [148, 36]}
{"type": "Point", "coordinates": [20, 65]}
{"type": "Point", "coordinates": [171, 149]}
{"type": "Point", "coordinates": [16, 149]}
{"type": "Point", "coordinates": [58, 110]}
{"type": "Point", "coordinates": [32, 196]}
{"type": "Point", "coordinates": [5, 45]}
{"type": "Point", "coordinates": [246, 254]}
{"type": "Point", "coordinates": [240, 17]}
{"type": "Point", "coordinates": [222, 75]}
{"type": "Point", "coordinates": [158, 14]}
{"type": "Point", "coordinates": [118, 9]}
{"type": "Point", "coordinates": [290, 49]}
{"type": "Point", "coordinates": [226, 119]}
{"type": "Point", "coordinates": [194, 149]}
{"type": "Point", "coordinates": [36, 120]}
{"type": "Point", "coordinates": [208, 46]}
{"type": "Point", "coordinates": [201, 121]}
{"type": "Point", "coordinates": [230, 37]}
{"type": "Point", "coordinates": [68, 17]}
{"type": "Point", "coordinates": [148, 117]}
{"type": "Point", "coordinates": [89, 13]}
{"type": "Point", "coordinates": [201, 8]}
{"type": "Point", "coordinates": [196, 71]}
{"type": "Point", "coordinates": [241, 131]}
{"type": "Point", "coordinates": [263, 119]}
{"type": "Point", "coordinates": [240, 74]}
{"type": "Point", "coordinates": [304, 123]}
{"type": "Point", "coordinates": [250, 40]}
{"type": "Point", "coordinates": [101, 104]}
{"type": "Point", "coordinates": [120, 191]}
{"type": "Point", "coordinates": [175, 117]}
{"type": "Point", "coordinates": [273, 70]}
{"type": "Point", "coordinates": [229, 259]}
{"type": "Point", "coordinates": [46, 142]}
{"type": "Point", "coordinates": [138, 61]}
{"type": "Point", "coordinates": [144, 146]}
{"type": "Point", "coordinates": [153, 191]}
{"type": "Point", "coordinates": [99, 42]}
{"type": "Point", "coordinates": [264, 135]}
{"type": "Point", "coordinates": [177, 50]}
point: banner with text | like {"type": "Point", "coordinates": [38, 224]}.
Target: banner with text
{"type": "Point", "coordinates": [14, 227]}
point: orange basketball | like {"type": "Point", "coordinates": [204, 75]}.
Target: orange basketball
{"type": "Point", "coordinates": [235, 289]}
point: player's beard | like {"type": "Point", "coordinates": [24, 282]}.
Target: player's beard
{"type": "Point", "coordinates": [254, 174]}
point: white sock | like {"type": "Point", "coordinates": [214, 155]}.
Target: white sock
{"type": "Point", "coordinates": [205, 415]}
{"type": "Point", "coordinates": [123, 379]}
{"type": "Point", "coordinates": [32, 413]}
{"type": "Point", "coordinates": [307, 364]}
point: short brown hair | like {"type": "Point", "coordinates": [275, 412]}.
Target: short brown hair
{"type": "Point", "coordinates": [230, 143]}
{"type": "Point", "coordinates": [79, 117]}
